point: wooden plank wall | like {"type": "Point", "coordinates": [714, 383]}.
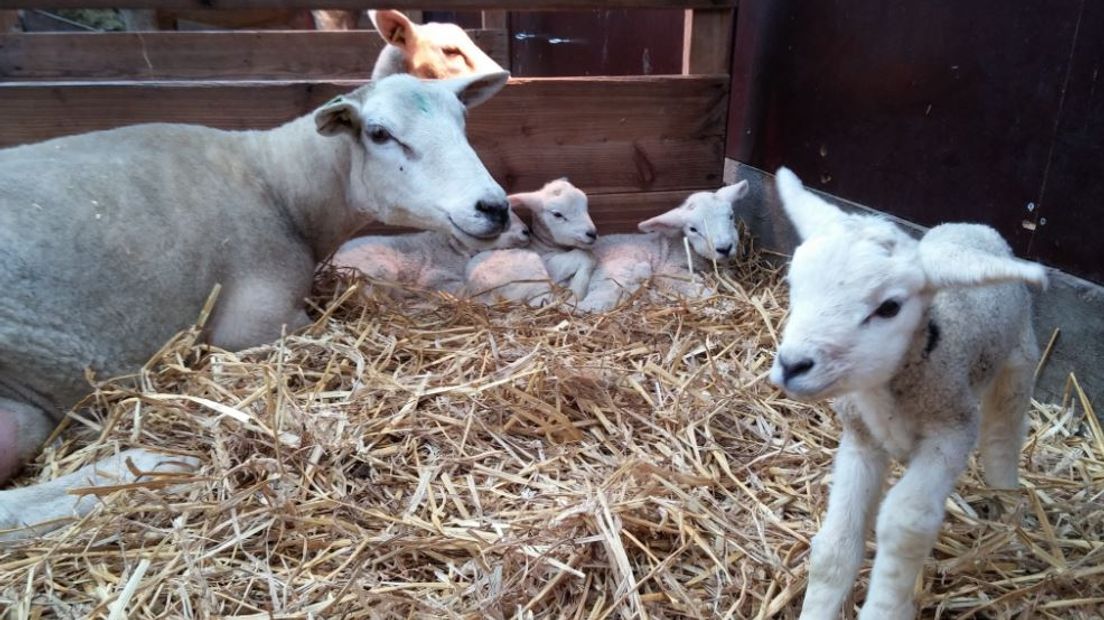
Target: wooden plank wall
{"type": "Point", "coordinates": [204, 55]}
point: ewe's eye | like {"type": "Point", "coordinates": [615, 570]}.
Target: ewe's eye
{"type": "Point", "coordinates": [558, 215]}
{"type": "Point", "coordinates": [693, 230]}
{"type": "Point", "coordinates": [452, 51]}
{"type": "Point", "coordinates": [888, 309]}
{"type": "Point", "coordinates": [378, 135]}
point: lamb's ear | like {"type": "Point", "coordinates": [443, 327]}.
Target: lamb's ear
{"type": "Point", "coordinates": [669, 223]}
{"type": "Point", "coordinates": [395, 28]}
{"type": "Point", "coordinates": [339, 116]}
{"type": "Point", "coordinates": [949, 265]}
{"type": "Point", "coordinates": [527, 201]}
{"type": "Point", "coordinates": [732, 193]}
{"type": "Point", "coordinates": [809, 213]}
{"type": "Point", "coordinates": [473, 90]}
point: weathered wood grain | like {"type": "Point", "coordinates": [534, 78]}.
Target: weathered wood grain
{"type": "Point", "coordinates": [605, 134]}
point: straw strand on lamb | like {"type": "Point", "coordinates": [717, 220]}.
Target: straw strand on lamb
{"type": "Point", "coordinates": [923, 345]}
{"type": "Point", "coordinates": [559, 254]}
{"type": "Point", "coordinates": [706, 220]}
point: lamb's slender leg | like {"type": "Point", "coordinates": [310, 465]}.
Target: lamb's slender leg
{"type": "Point", "coordinates": [34, 510]}
{"type": "Point", "coordinates": [909, 522]}
{"type": "Point", "coordinates": [858, 474]}
{"type": "Point", "coordinates": [1004, 422]}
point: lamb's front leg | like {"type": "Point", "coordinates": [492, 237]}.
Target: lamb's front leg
{"type": "Point", "coordinates": [837, 552]}
{"type": "Point", "coordinates": [37, 509]}
{"type": "Point", "coordinates": [909, 522]}
{"type": "Point", "coordinates": [572, 269]}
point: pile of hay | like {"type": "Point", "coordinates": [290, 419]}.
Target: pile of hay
{"type": "Point", "coordinates": [436, 458]}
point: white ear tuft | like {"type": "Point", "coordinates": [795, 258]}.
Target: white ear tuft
{"type": "Point", "coordinates": [669, 223]}
{"type": "Point", "coordinates": [733, 192]}
{"type": "Point", "coordinates": [809, 213]}
{"type": "Point", "coordinates": [473, 90]}
{"type": "Point", "coordinates": [949, 265]}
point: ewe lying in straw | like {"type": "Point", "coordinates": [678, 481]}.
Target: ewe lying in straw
{"type": "Point", "coordinates": [428, 459]}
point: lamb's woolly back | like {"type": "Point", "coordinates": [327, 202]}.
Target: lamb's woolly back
{"type": "Point", "coordinates": [424, 260]}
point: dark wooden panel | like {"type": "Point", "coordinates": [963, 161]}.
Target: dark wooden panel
{"type": "Point", "coordinates": [513, 5]}
{"type": "Point", "coordinates": [932, 111]}
{"type": "Point", "coordinates": [201, 55]}
{"type": "Point", "coordinates": [608, 134]}
{"type": "Point", "coordinates": [1070, 211]}
{"type": "Point", "coordinates": [647, 42]}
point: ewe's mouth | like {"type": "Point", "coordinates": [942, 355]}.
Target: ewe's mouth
{"type": "Point", "coordinates": [482, 237]}
{"type": "Point", "coordinates": [810, 393]}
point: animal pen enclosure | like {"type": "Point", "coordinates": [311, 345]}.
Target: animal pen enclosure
{"type": "Point", "coordinates": [442, 459]}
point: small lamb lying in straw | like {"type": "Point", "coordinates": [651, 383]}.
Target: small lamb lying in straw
{"type": "Point", "coordinates": [706, 220]}
{"type": "Point", "coordinates": [924, 345]}
{"type": "Point", "coordinates": [558, 253]}
{"type": "Point", "coordinates": [424, 260]}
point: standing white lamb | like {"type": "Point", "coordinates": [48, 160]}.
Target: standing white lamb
{"type": "Point", "coordinates": [922, 345]}
{"type": "Point", "coordinates": [427, 260]}
{"type": "Point", "coordinates": [707, 220]}
{"type": "Point", "coordinates": [559, 254]}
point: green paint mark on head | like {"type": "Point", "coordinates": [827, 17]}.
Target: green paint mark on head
{"type": "Point", "coordinates": [421, 102]}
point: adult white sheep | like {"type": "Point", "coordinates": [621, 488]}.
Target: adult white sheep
{"type": "Point", "coordinates": [706, 219]}
{"type": "Point", "coordinates": [112, 241]}
{"type": "Point", "coordinates": [921, 344]}
{"type": "Point", "coordinates": [425, 260]}
{"type": "Point", "coordinates": [563, 234]}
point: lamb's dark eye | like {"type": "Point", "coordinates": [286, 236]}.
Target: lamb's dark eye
{"type": "Point", "coordinates": [888, 309]}
{"type": "Point", "coordinates": [557, 215]}
{"type": "Point", "coordinates": [378, 135]}
{"type": "Point", "coordinates": [693, 230]}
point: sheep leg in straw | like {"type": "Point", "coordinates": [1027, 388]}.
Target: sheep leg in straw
{"type": "Point", "coordinates": [1004, 416]}
{"type": "Point", "coordinates": [910, 518]}
{"type": "Point", "coordinates": [34, 510]}
{"type": "Point", "coordinates": [837, 550]}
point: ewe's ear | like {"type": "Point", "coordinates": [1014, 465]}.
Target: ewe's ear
{"type": "Point", "coordinates": [809, 213]}
{"type": "Point", "coordinates": [395, 28]}
{"type": "Point", "coordinates": [732, 193]}
{"type": "Point", "coordinates": [669, 223]}
{"type": "Point", "coordinates": [338, 116]}
{"type": "Point", "coordinates": [473, 90]}
{"type": "Point", "coordinates": [949, 265]}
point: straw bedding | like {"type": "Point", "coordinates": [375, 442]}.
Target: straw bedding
{"type": "Point", "coordinates": [435, 458]}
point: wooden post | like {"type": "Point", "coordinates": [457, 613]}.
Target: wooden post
{"type": "Point", "coordinates": [707, 41]}
{"type": "Point", "coordinates": [499, 21]}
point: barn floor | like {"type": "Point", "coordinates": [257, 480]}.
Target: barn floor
{"type": "Point", "coordinates": [435, 458]}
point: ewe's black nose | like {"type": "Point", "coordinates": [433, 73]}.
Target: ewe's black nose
{"type": "Point", "coordinates": [725, 251]}
{"type": "Point", "coordinates": [592, 235]}
{"type": "Point", "coordinates": [795, 369]}
{"type": "Point", "coordinates": [496, 211]}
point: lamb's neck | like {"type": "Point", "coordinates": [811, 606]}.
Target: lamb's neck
{"type": "Point", "coordinates": [306, 175]}
{"type": "Point", "coordinates": [541, 246]}
{"type": "Point", "coordinates": [675, 252]}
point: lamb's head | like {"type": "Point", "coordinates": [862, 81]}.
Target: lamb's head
{"type": "Point", "coordinates": [860, 288]}
{"type": "Point", "coordinates": [516, 235]}
{"type": "Point", "coordinates": [707, 220]}
{"type": "Point", "coordinates": [429, 51]}
{"type": "Point", "coordinates": [410, 163]}
{"type": "Point", "coordinates": [560, 215]}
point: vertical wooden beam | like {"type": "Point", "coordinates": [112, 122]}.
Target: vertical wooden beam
{"type": "Point", "coordinates": [494, 20]}
{"type": "Point", "coordinates": [500, 20]}
{"type": "Point", "coordinates": [707, 41]}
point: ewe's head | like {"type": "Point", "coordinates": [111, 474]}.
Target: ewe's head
{"type": "Point", "coordinates": [560, 214]}
{"type": "Point", "coordinates": [431, 51]}
{"type": "Point", "coordinates": [859, 291]}
{"type": "Point", "coordinates": [707, 219]}
{"type": "Point", "coordinates": [410, 162]}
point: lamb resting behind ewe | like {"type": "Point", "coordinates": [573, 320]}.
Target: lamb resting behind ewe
{"type": "Point", "coordinates": [707, 220]}
{"type": "Point", "coordinates": [924, 345]}
{"type": "Point", "coordinates": [428, 260]}
{"type": "Point", "coordinates": [558, 254]}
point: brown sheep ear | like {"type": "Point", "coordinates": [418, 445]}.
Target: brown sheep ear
{"type": "Point", "coordinates": [337, 117]}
